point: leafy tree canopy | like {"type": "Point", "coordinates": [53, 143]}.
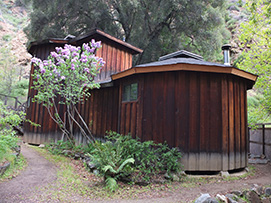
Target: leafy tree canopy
{"type": "Point", "coordinates": [256, 57]}
{"type": "Point", "coordinates": [158, 27]}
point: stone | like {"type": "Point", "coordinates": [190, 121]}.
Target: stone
{"type": "Point", "coordinates": [267, 191]}
{"type": "Point", "coordinates": [167, 176]}
{"type": "Point", "coordinates": [237, 192]}
{"type": "Point", "coordinates": [77, 156]}
{"type": "Point", "coordinates": [175, 178]}
{"type": "Point", "coordinates": [252, 196]}
{"type": "Point", "coordinates": [232, 198]}
{"type": "Point", "coordinates": [211, 200]}
{"type": "Point", "coordinates": [202, 198]}
{"type": "Point", "coordinates": [258, 161]}
{"type": "Point", "coordinates": [266, 200]}
{"type": "Point", "coordinates": [224, 173]}
{"type": "Point", "coordinates": [222, 198]}
{"type": "Point", "coordinates": [41, 146]}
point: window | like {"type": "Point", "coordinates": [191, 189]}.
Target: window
{"type": "Point", "coordinates": [130, 92]}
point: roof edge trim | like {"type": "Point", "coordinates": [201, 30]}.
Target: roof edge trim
{"type": "Point", "coordinates": [186, 67]}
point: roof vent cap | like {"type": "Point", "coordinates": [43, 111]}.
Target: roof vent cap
{"type": "Point", "coordinates": [69, 37]}
{"type": "Point", "coordinates": [226, 49]}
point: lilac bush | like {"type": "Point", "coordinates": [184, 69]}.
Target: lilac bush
{"type": "Point", "coordinates": [68, 72]}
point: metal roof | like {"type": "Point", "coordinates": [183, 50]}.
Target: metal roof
{"type": "Point", "coordinates": [181, 53]}
{"type": "Point", "coordinates": [172, 61]}
{"type": "Point", "coordinates": [76, 41]}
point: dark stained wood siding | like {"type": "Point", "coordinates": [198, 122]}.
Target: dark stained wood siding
{"type": "Point", "coordinates": [101, 109]}
{"type": "Point", "coordinates": [204, 114]}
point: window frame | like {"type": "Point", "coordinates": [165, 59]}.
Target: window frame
{"type": "Point", "coordinates": [130, 97]}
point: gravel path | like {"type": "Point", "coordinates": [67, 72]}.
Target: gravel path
{"type": "Point", "coordinates": [39, 172]}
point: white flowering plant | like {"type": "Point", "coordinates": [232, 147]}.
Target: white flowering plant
{"type": "Point", "coordinates": [68, 73]}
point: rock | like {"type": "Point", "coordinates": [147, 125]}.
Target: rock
{"type": "Point", "coordinates": [224, 173]}
{"type": "Point", "coordinates": [3, 168]}
{"type": "Point", "coordinates": [211, 200]}
{"type": "Point", "coordinates": [77, 156]}
{"type": "Point", "coordinates": [237, 192]}
{"type": "Point", "coordinates": [167, 176]}
{"type": "Point", "coordinates": [232, 198]}
{"type": "Point", "coordinates": [41, 146]}
{"type": "Point", "coordinates": [175, 178]}
{"type": "Point", "coordinates": [222, 198]}
{"type": "Point", "coordinates": [202, 198]}
{"type": "Point", "coordinates": [267, 191]}
{"type": "Point", "coordinates": [258, 161]}
{"type": "Point", "coordinates": [252, 196]}
{"type": "Point", "coordinates": [266, 200]}
{"type": "Point", "coordinates": [67, 152]}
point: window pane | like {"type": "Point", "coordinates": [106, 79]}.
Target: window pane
{"type": "Point", "coordinates": [126, 93]}
{"type": "Point", "coordinates": [134, 91]}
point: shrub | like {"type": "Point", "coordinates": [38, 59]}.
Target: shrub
{"type": "Point", "coordinates": [111, 161]}
{"type": "Point", "coordinates": [121, 155]}
{"type": "Point", "coordinates": [8, 139]}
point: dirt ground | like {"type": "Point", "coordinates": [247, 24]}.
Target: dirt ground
{"type": "Point", "coordinates": [40, 172]}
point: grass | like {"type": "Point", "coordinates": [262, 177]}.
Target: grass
{"type": "Point", "coordinates": [15, 169]}
{"type": "Point", "coordinates": [75, 184]}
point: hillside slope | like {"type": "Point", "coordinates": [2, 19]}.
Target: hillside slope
{"type": "Point", "coordinates": [13, 18]}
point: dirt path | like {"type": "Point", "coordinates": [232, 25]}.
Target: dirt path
{"type": "Point", "coordinates": [183, 195]}
{"type": "Point", "coordinates": [39, 172]}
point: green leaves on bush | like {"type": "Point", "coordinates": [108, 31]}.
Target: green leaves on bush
{"type": "Point", "coordinates": [121, 156]}
{"type": "Point", "coordinates": [8, 139]}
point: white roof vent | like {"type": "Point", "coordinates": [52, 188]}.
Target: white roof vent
{"type": "Point", "coordinates": [181, 54]}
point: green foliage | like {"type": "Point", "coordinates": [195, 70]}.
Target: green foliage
{"type": "Point", "coordinates": [256, 58]}
{"type": "Point", "coordinates": [157, 27]}
{"type": "Point", "coordinates": [121, 156]}
{"type": "Point", "coordinates": [8, 139]}
{"type": "Point", "coordinates": [67, 73]}
{"type": "Point", "coordinates": [68, 148]}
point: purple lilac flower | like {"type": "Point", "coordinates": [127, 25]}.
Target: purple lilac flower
{"type": "Point", "coordinates": [58, 49]}
{"type": "Point", "coordinates": [93, 44]}
{"type": "Point", "coordinates": [35, 60]}
{"type": "Point", "coordinates": [38, 76]}
{"type": "Point", "coordinates": [98, 45]}
{"type": "Point", "coordinates": [72, 66]}
{"type": "Point", "coordinates": [74, 54]}
{"type": "Point", "coordinates": [42, 70]}
{"type": "Point", "coordinates": [54, 54]}
{"type": "Point", "coordinates": [83, 58]}
{"type": "Point", "coordinates": [45, 63]}
{"type": "Point", "coordinates": [86, 70]}
{"type": "Point", "coordinates": [63, 77]}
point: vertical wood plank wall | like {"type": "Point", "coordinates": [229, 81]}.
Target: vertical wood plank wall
{"type": "Point", "coordinates": [100, 110]}
{"type": "Point", "coordinates": [204, 114]}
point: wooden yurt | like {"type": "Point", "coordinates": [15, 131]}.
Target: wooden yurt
{"type": "Point", "coordinates": [198, 106]}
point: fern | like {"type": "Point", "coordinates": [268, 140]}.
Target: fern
{"type": "Point", "coordinates": [111, 184]}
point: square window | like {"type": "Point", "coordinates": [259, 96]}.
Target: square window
{"type": "Point", "coordinates": [130, 92]}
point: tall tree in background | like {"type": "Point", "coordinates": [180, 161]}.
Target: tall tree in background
{"type": "Point", "coordinates": [158, 27]}
{"type": "Point", "coordinates": [256, 57]}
